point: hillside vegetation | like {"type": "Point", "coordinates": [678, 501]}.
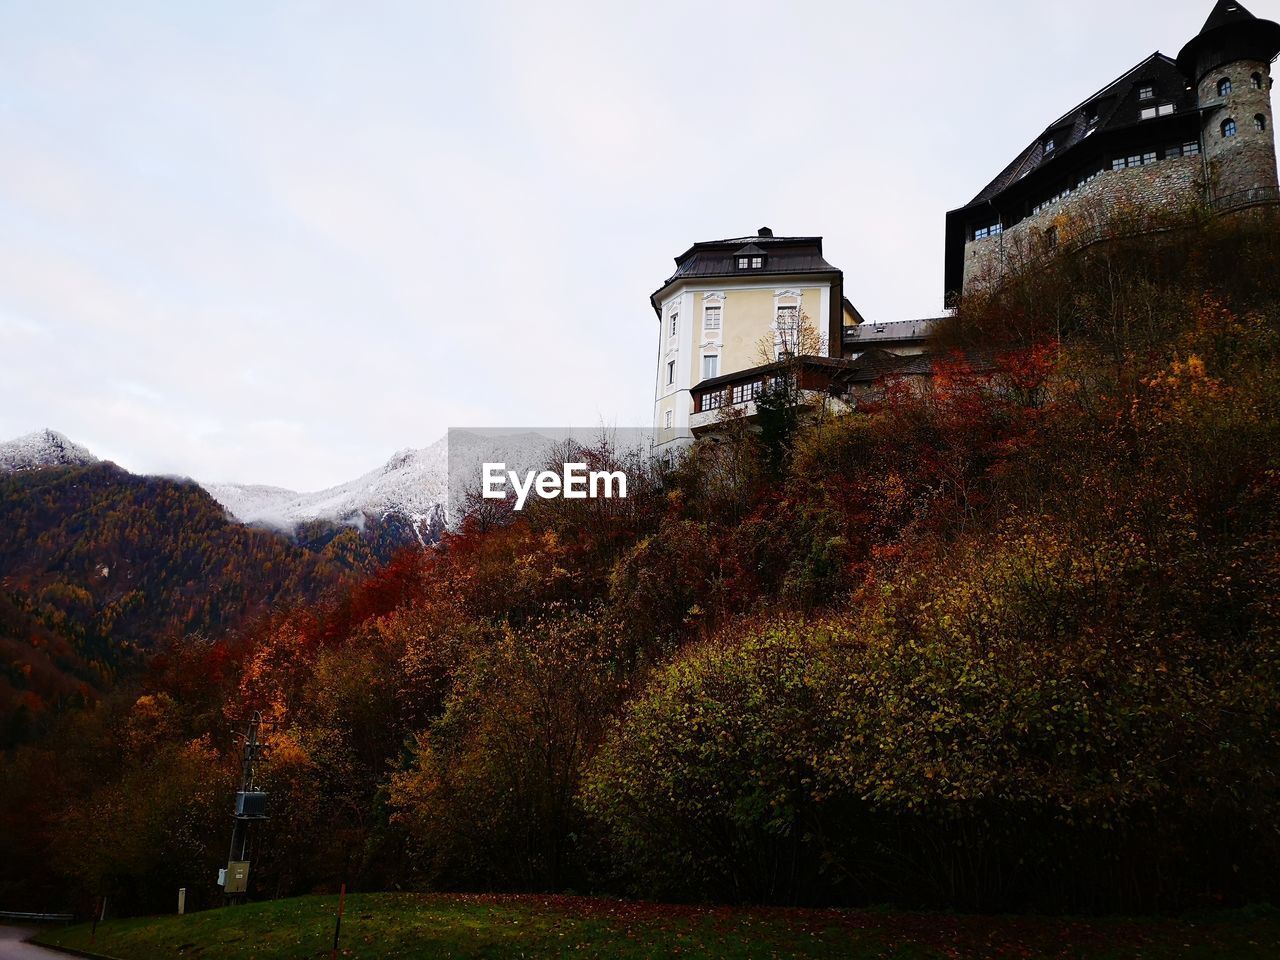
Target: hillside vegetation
{"type": "Point", "coordinates": [1004, 642]}
{"type": "Point", "coordinates": [99, 567]}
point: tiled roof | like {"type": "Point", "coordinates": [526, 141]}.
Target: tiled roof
{"type": "Point", "coordinates": [795, 256]}
{"type": "Point", "coordinates": [868, 332]}
{"type": "Point", "coordinates": [1114, 106]}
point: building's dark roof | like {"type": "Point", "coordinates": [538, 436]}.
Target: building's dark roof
{"type": "Point", "coordinates": [892, 331]}
{"type": "Point", "coordinates": [1230, 32]}
{"type": "Point", "coordinates": [1226, 12]}
{"type": "Point", "coordinates": [791, 256]}
{"type": "Point", "coordinates": [1113, 107]}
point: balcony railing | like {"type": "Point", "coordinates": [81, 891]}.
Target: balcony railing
{"type": "Point", "coordinates": [1255, 197]}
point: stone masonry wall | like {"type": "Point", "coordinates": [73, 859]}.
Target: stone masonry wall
{"type": "Point", "coordinates": [1148, 195]}
{"type": "Point", "coordinates": [1246, 161]}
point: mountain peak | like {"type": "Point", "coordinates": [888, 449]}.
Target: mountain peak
{"type": "Point", "coordinates": [43, 448]}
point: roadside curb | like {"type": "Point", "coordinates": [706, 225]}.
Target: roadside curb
{"type": "Point", "coordinates": [72, 951]}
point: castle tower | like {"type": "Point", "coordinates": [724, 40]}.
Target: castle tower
{"type": "Point", "coordinates": [1229, 65]}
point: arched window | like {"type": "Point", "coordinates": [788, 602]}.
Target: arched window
{"type": "Point", "coordinates": [1228, 128]}
{"type": "Point", "coordinates": [1256, 79]}
{"type": "Point", "coordinates": [1260, 123]}
{"type": "Point", "coordinates": [1224, 86]}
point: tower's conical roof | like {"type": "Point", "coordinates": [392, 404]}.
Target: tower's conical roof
{"type": "Point", "coordinates": [1226, 12]}
{"type": "Point", "coordinates": [1231, 32]}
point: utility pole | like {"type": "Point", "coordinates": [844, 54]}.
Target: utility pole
{"type": "Point", "coordinates": [251, 806]}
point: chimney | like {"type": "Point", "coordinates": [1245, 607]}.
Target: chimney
{"type": "Point", "coordinates": [765, 232]}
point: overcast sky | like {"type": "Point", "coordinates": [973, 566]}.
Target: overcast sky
{"type": "Point", "coordinates": [276, 242]}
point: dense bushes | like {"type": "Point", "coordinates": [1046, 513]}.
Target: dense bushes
{"type": "Point", "coordinates": [707, 785]}
{"type": "Point", "coordinates": [490, 793]}
{"type": "Point", "coordinates": [1050, 724]}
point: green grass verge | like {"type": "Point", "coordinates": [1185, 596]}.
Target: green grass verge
{"type": "Point", "coordinates": [387, 926]}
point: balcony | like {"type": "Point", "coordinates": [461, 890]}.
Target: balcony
{"type": "Point", "coordinates": [818, 379]}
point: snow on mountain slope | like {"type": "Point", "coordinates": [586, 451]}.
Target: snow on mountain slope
{"type": "Point", "coordinates": [44, 448]}
{"type": "Point", "coordinates": [413, 484]}
{"type": "Point", "coordinates": [412, 488]}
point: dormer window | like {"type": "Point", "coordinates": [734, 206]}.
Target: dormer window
{"type": "Point", "coordinates": [1050, 145]}
{"type": "Point", "coordinates": [750, 263]}
{"type": "Point", "coordinates": [1224, 86]}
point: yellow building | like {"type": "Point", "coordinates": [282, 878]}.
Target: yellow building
{"type": "Point", "coordinates": [733, 305]}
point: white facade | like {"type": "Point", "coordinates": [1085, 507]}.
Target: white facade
{"type": "Point", "coordinates": [711, 328]}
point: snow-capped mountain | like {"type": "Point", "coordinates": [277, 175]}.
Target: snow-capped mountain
{"type": "Point", "coordinates": [44, 448]}
{"type": "Point", "coordinates": [413, 486]}
{"type": "Point", "coordinates": [411, 496]}
{"type": "Point", "coordinates": [423, 488]}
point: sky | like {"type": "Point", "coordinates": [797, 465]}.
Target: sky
{"type": "Point", "coordinates": [276, 242]}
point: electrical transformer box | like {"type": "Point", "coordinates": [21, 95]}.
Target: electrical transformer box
{"type": "Point", "coordinates": [236, 877]}
{"type": "Point", "coordinates": [251, 805]}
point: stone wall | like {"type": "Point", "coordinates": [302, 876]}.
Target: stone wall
{"type": "Point", "coordinates": [1138, 198]}
{"type": "Point", "coordinates": [1246, 161]}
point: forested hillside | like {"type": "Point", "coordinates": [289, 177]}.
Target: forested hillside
{"type": "Point", "coordinates": [1006, 641]}
{"type": "Point", "coordinates": [98, 567]}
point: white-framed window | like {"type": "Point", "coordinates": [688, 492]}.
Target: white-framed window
{"type": "Point", "coordinates": [712, 317]}
{"type": "Point", "coordinates": [671, 372]}
{"type": "Point", "coordinates": [788, 326]}
{"type": "Point", "coordinates": [668, 419]}
{"type": "Point", "coordinates": [1146, 93]}
{"type": "Point", "coordinates": [710, 366]}
{"type": "Point", "coordinates": [674, 325]}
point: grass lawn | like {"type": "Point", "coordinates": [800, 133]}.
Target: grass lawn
{"type": "Point", "coordinates": [385, 926]}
